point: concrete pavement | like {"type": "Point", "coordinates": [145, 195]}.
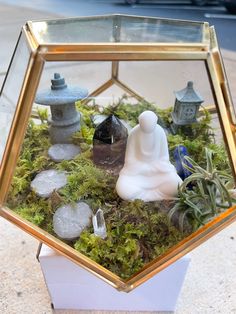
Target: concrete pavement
{"type": "Point", "coordinates": [210, 285]}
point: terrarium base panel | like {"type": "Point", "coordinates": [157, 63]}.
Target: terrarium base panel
{"type": "Point", "coordinates": [72, 287]}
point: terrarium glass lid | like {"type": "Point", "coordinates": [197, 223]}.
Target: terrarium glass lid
{"type": "Point", "coordinates": [119, 28]}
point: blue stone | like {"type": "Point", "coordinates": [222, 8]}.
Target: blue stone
{"type": "Point", "coordinates": [179, 155]}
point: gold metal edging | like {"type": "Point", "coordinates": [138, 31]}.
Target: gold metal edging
{"type": "Point", "coordinates": [122, 51]}
{"type": "Point", "coordinates": [206, 34]}
{"type": "Point", "coordinates": [114, 80]}
{"type": "Point", "coordinates": [19, 124]}
{"type": "Point", "coordinates": [121, 47]}
{"type": "Point", "coordinates": [128, 56]}
{"type": "Point", "coordinates": [31, 41]}
{"type": "Point", "coordinates": [222, 76]}
{"type": "Point", "coordinates": [223, 101]}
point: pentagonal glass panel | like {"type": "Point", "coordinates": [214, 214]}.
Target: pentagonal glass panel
{"type": "Point", "coordinates": [72, 165]}
{"type": "Point", "coordinates": [11, 90]}
{"type": "Point", "coordinates": [176, 73]}
{"type": "Point", "coordinates": [118, 28]}
{"type": "Point", "coordinates": [85, 74]}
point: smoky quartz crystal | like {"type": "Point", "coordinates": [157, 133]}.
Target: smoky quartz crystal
{"type": "Point", "coordinates": [109, 142]}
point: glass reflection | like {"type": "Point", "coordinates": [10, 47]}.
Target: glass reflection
{"type": "Point", "coordinates": [11, 91]}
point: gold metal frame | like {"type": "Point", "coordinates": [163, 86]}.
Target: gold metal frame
{"type": "Point", "coordinates": [114, 52]}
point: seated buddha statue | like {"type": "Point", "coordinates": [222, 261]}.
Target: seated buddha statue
{"type": "Point", "coordinates": [147, 173]}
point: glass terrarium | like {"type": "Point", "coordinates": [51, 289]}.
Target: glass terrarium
{"type": "Point", "coordinates": [117, 141]}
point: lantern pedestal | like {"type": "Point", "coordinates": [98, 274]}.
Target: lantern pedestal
{"type": "Point", "coordinates": [72, 287]}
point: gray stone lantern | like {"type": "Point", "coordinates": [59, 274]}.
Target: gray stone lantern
{"type": "Point", "coordinates": [186, 106]}
{"type": "Point", "coordinates": [65, 119]}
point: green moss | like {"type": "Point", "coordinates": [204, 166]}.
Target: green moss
{"type": "Point", "coordinates": [137, 232]}
{"type": "Point", "coordinates": [33, 159]}
{"type": "Point", "coordinates": [122, 111]}
{"type": "Point", "coordinates": [35, 209]}
{"type": "Point", "coordinates": [42, 114]}
{"type": "Point", "coordinates": [89, 183]}
{"type": "Point", "coordinates": [85, 135]}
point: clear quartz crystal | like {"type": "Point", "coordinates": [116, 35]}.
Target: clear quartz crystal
{"type": "Point", "coordinates": [99, 224]}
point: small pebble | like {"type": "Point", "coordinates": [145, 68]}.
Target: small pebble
{"type": "Point", "coordinates": [70, 220]}
{"type": "Point", "coordinates": [60, 152]}
{"type": "Point", "coordinates": [47, 181]}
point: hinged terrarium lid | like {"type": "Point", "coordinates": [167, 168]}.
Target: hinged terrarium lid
{"type": "Point", "coordinates": [119, 29]}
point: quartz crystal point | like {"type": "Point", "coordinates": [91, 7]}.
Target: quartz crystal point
{"type": "Point", "coordinates": [99, 224]}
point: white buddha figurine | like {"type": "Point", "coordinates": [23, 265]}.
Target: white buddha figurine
{"type": "Point", "coordinates": [147, 173]}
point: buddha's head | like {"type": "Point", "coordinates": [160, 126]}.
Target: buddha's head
{"type": "Point", "coordinates": [148, 121]}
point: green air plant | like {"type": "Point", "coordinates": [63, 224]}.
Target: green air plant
{"type": "Point", "coordinates": [204, 194]}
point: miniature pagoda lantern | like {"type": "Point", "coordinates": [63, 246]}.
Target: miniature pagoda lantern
{"type": "Point", "coordinates": [186, 107]}
{"type": "Point", "coordinates": [65, 120]}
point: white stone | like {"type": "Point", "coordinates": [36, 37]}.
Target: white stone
{"type": "Point", "coordinates": [147, 173]}
{"type": "Point", "coordinates": [70, 220]}
{"type": "Point", "coordinates": [60, 152]}
{"type": "Point", "coordinates": [47, 181]}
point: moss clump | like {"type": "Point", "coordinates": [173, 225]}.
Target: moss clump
{"type": "Point", "coordinates": [132, 112]}
{"type": "Point", "coordinates": [85, 136]}
{"type": "Point", "coordinates": [37, 210]}
{"type": "Point", "coordinates": [137, 233]}
{"type": "Point", "coordinates": [87, 182]}
{"type": "Point", "coordinates": [33, 159]}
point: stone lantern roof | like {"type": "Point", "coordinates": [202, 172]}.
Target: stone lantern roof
{"type": "Point", "coordinates": [188, 94]}
{"type": "Point", "coordinates": [60, 93]}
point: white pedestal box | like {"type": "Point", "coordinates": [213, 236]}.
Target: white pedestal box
{"type": "Point", "coordinates": [72, 287]}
